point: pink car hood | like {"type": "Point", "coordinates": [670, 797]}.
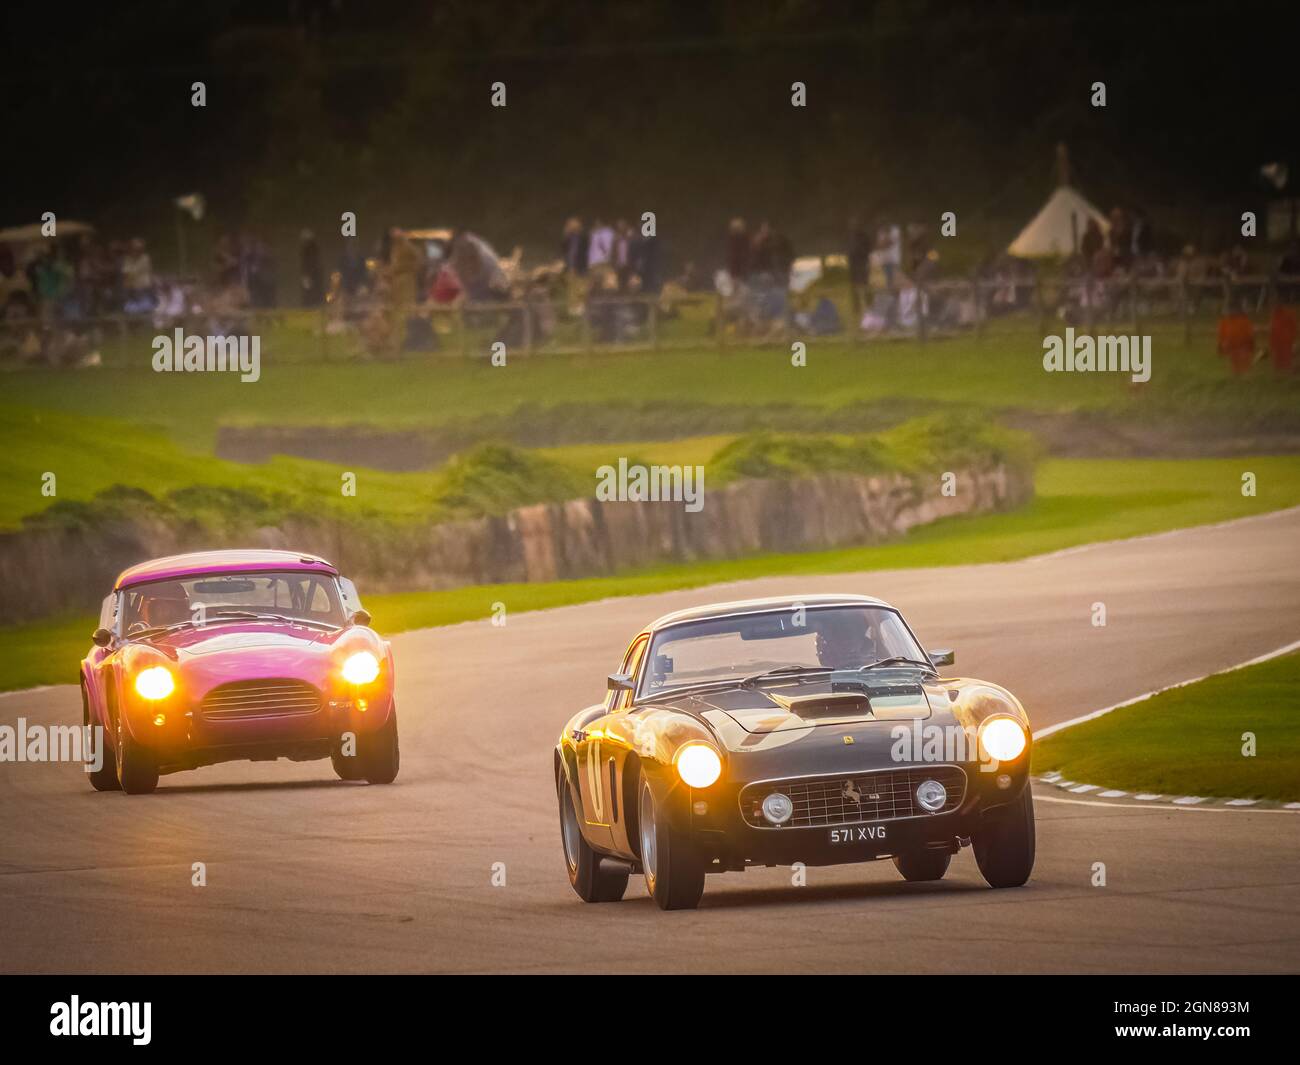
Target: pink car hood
{"type": "Point", "coordinates": [222, 653]}
{"type": "Point", "coordinates": [216, 643]}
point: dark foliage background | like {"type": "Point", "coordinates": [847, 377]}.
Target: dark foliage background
{"type": "Point", "coordinates": [683, 108]}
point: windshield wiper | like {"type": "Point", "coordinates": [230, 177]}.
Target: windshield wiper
{"type": "Point", "coordinates": [223, 615]}
{"type": "Point", "coordinates": [162, 630]}
{"type": "Point", "coordinates": [245, 614]}
{"type": "Point", "coordinates": [261, 615]}
{"type": "Point", "coordinates": [154, 630]}
{"type": "Point", "coordinates": [899, 660]}
{"type": "Point", "coordinates": [784, 671]}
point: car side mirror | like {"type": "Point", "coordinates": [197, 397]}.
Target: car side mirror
{"type": "Point", "coordinates": [361, 617]}
{"type": "Point", "coordinates": [619, 682]}
{"type": "Point", "coordinates": [101, 637]}
{"type": "Point", "coordinates": [943, 658]}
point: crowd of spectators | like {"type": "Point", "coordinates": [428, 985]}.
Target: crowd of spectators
{"type": "Point", "coordinates": [80, 277]}
{"type": "Point", "coordinates": [888, 265]}
{"type": "Point", "coordinates": [621, 258]}
{"type": "Point", "coordinates": [757, 282]}
{"type": "Point", "coordinates": [56, 288]}
{"type": "Point", "coordinates": [612, 276]}
{"type": "Point", "coordinates": [600, 266]}
{"type": "Point", "coordinates": [1124, 270]}
{"type": "Point", "coordinates": [60, 294]}
{"type": "Point", "coordinates": [1119, 270]}
{"type": "Point", "coordinates": [414, 272]}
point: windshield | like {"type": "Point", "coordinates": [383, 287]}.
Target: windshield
{"type": "Point", "coordinates": [310, 597]}
{"type": "Point", "coordinates": [733, 648]}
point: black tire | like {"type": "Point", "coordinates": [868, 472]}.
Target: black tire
{"type": "Point", "coordinates": [592, 881]}
{"type": "Point", "coordinates": [917, 866]}
{"type": "Point", "coordinates": [137, 766]}
{"type": "Point", "coordinates": [1004, 850]}
{"type": "Point", "coordinates": [674, 871]}
{"type": "Point", "coordinates": [105, 777]}
{"type": "Point", "coordinates": [378, 755]}
{"type": "Point", "coordinates": [346, 766]}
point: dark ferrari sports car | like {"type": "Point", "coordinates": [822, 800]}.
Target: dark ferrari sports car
{"type": "Point", "coordinates": [811, 730]}
{"type": "Point", "coordinates": [222, 656]}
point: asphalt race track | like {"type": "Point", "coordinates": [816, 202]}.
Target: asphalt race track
{"type": "Point", "coordinates": [306, 873]}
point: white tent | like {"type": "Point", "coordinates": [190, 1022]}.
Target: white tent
{"type": "Point", "coordinates": [1058, 228]}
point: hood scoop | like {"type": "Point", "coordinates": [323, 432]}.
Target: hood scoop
{"type": "Point", "coordinates": [826, 704]}
{"type": "Point", "coordinates": [898, 702]}
{"type": "Point", "coordinates": [843, 705]}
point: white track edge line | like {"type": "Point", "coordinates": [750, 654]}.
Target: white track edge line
{"type": "Point", "coordinates": [1162, 806]}
{"type": "Point", "coordinates": [1277, 653]}
{"type": "Point", "coordinates": [1079, 549]}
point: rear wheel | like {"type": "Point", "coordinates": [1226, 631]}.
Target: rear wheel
{"type": "Point", "coordinates": [674, 871]}
{"type": "Point", "coordinates": [105, 777]}
{"type": "Point", "coordinates": [1004, 849]}
{"type": "Point", "coordinates": [592, 881]}
{"type": "Point", "coordinates": [137, 766]}
{"type": "Point", "coordinates": [922, 865]}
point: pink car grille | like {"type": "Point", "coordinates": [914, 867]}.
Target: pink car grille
{"type": "Point", "coordinates": [260, 698]}
{"type": "Point", "coordinates": [881, 796]}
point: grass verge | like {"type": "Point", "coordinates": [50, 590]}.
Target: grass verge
{"type": "Point", "coordinates": [1189, 382]}
{"type": "Point", "coordinates": [1079, 501]}
{"type": "Point", "coordinates": [1189, 741]}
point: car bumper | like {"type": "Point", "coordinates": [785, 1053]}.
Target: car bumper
{"type": "Point", "coordinates": [723, 835]}
{"type": "Point", "coordinates": [187, 738]}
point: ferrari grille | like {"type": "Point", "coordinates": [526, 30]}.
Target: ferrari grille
{"type": "Point", "coordinates": [260, 698]}
{"type": "Point", "coordinates": [884, 795]}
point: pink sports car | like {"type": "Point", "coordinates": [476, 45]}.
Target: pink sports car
{"type": "Point", "coordinates": [224, 656]}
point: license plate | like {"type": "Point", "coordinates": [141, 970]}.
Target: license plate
{"type": "Point", "coordinates": [858, 834]}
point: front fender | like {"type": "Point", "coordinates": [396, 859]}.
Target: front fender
{"type": "Point", "coordinates": [656, 735]}
{"type": "Point", "coordinates": [566, 751]}
{"type": "Point", "coordinates": [94, 710]}
{"type": "Point", "coordinates": [136, 713]}
{"type": "Point", "coordinates": [977, 700]}
{"type": "Point", "coordinates": [566, 768]}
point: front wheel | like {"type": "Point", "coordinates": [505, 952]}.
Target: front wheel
{"type": "Point", "coordinates": [592, 881]}
{"type": "Point", "coordinates": [345, 765]}
{"type": "Point", "coordinates": [378, 756]}
{"type": "Point", "coordinates": [137, 766]}
{"type": "Point", "coordinates": [917, 866]}
{"type": "Point", "coordinates": [674, 871]}
{"type": "Point", "coordinates": [1004, 850]}
{"type": "Point", "coordinates": [105, 777]}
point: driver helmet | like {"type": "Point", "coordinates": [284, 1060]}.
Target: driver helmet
{"type": "Point", "coordinates": [843, 639]}
{"type": "Point", "coordinates": [165, 603]}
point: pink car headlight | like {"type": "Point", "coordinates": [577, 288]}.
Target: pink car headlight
{"type": "Point", "coordinates": [360, 668]}
{"type": "Point", "coordinates": [154, 683]}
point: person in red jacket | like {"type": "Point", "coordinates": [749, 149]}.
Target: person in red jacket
{"type": "Point", "coordinates": [1237, 341]}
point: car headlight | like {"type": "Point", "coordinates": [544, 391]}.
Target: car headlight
{"type": "Point", "coordinates": [1003, 738]}
{"type": "Point", "coordinates": [361, 668]}
{"type": "Point", "coordinates": [154, 683]}
{"type": "Point", "coordinates": [698, 765]}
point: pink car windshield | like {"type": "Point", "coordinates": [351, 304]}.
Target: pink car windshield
{"type": "Point", "coordinates": [204, 599]}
